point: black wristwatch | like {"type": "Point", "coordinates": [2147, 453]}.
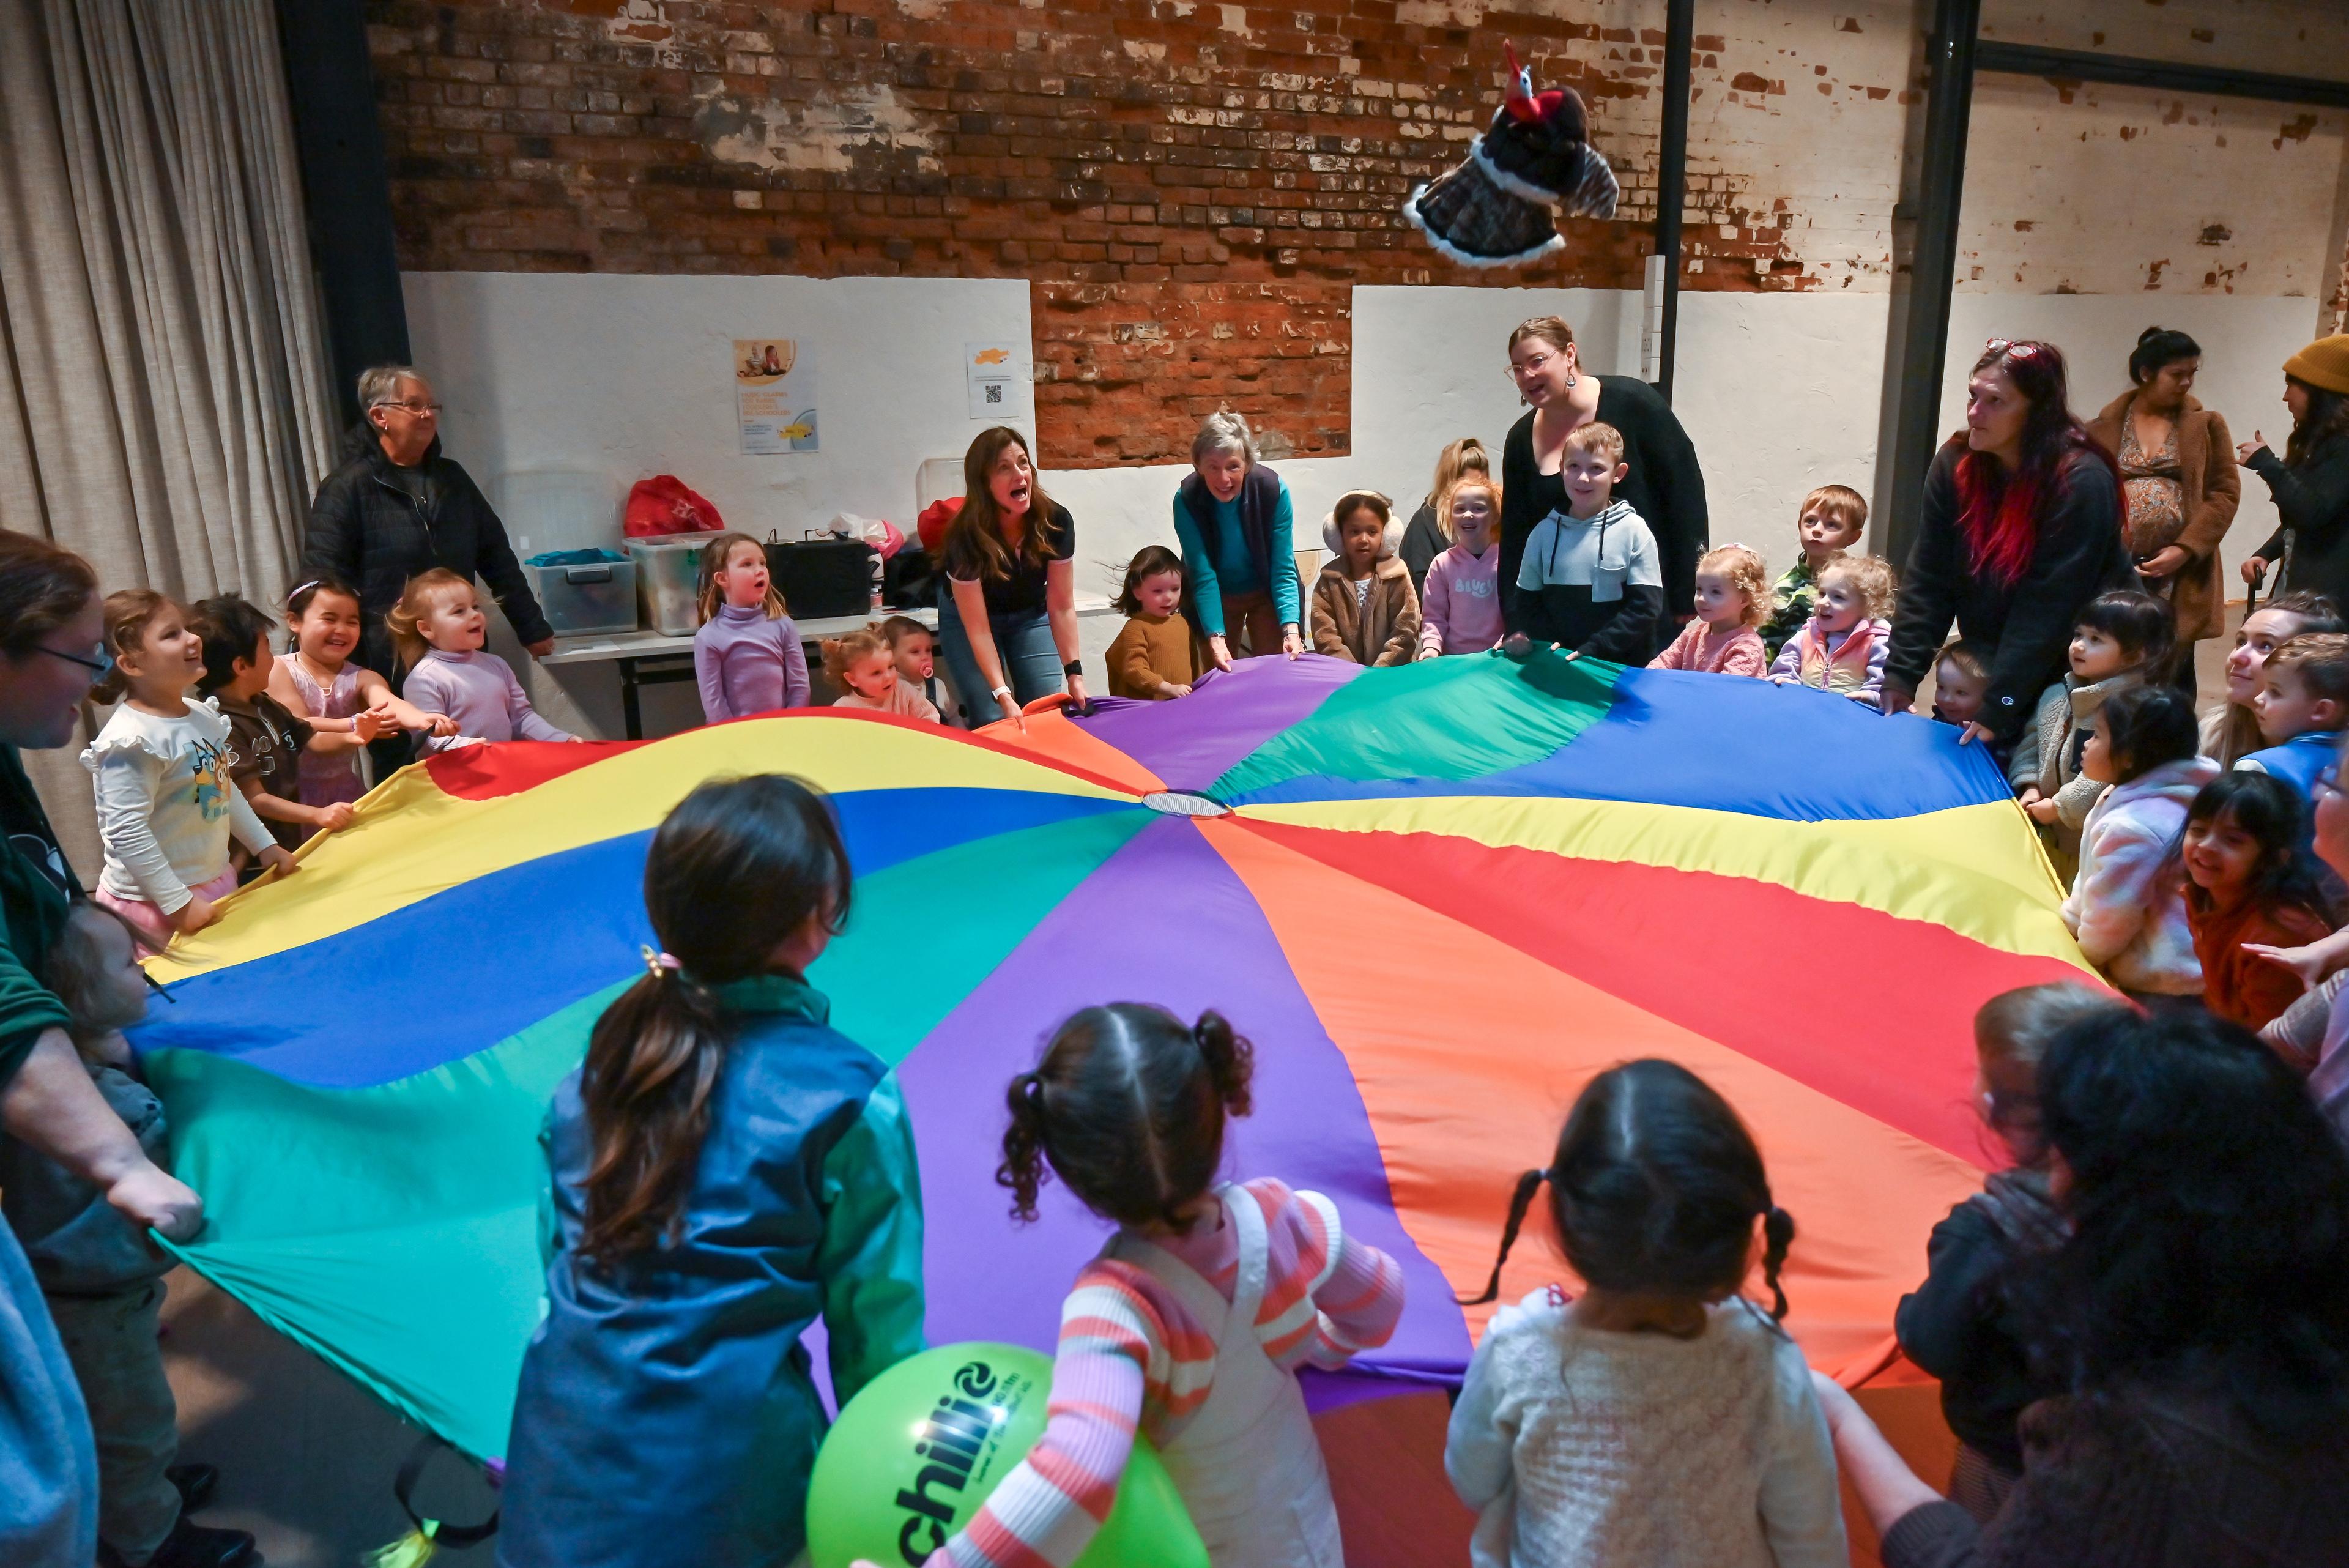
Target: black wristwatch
{"type": "Point", "coordinates": [1075, 667]}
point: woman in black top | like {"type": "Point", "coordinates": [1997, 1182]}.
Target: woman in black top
{"type": "Point", "coordinates": [1008, 630]}
{"type": "Point", "coordinates": [2022, 526]}
{"type": "Point", "coordinates": [2310, 482]}
{"type": "Point", "coordinates": [1664, 486]}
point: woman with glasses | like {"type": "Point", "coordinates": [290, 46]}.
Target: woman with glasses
{"type": "Point", "coordinates": [2020, 528]}
{"type": "Point", "coordinates": [398, 507]}
{"type": "Point", "coordinates": [50, 655]}
{"type": "Point", "coordinates": [1664, 486]}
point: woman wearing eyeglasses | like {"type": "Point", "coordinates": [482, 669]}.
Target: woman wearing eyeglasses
{"type": "Point", "coordinates": [2311, 480]}
{"type": "Point", "coordinates": [2022, 527]}
{"type": "Point", "coordinates": [396, 508]}
{"type": "Point", "coordinates": [1664, 486]}
{"type": "Point", "coordinates": [50, 655]}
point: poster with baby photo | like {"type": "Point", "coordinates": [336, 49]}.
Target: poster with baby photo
{"type": "Point", "coordinates": [774, 396]}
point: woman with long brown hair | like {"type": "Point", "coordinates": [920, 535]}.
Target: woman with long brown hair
{"type": "Point", "coordinates": [1008, 627]}
{"type": "Point", "coordinates": [2022, 527]}
{"type": "Point", "coordinates": [2311, 480]}
{"type": "Point", "coordinates": [726, 1168]}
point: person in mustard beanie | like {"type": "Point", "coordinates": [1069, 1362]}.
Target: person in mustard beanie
{"type": "Point", "coordinates": [2311, 480]}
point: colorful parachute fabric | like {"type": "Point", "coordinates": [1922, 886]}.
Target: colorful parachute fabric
{"type": "Point", "coordinates": [1437, 897]}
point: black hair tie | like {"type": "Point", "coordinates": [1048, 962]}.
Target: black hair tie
{"type": "Point", "coordinates": [1519, 1201]}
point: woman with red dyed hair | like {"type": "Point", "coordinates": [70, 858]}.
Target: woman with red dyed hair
{"type": "Point", "coordinates": [2022, 526]}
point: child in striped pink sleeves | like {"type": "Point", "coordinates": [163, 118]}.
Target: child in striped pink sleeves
{"type": "Point", "coordinates": [1192, 1323]}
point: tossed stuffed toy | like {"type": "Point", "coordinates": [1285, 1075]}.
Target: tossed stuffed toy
{"type": "Point", "coordinates": [1496, 208]}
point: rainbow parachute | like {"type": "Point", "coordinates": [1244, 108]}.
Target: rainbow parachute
{"type": "Point", "coordinates": [1438, 897]}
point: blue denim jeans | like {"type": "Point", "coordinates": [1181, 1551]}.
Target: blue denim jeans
{"type": "Point", "coordinates": [1024, 648]}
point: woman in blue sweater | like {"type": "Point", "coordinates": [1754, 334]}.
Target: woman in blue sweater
{"type": "Point", "coordinates": [1234, 521]}
{"type": "Point", "coordinates": [726, 1168]}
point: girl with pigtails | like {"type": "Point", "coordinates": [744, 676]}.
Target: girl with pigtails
{"type": "Point", "coordinates": [726, 1168]}
{"type": "Point", "coordinates": [1659, 1416]}
{"type": "Point", "coordinates": [1192, 1323]}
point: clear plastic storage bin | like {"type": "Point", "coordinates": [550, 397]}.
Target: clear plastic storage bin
{"type": "Point", "coordinates": [584, 591]}
{"type": "Point", "coordinates": [668, 581]}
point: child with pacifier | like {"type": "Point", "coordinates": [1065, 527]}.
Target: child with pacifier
{"type": "Point", "coordinates": [914, 647]}
{"type": "Point", "coordinates": [859, 663]}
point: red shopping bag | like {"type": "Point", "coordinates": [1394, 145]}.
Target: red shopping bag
{"type": "Point", "coordinates": [664, 504]}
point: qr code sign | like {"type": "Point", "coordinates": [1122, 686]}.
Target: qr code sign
{"type": "Point", "coordinates": [995, 391]}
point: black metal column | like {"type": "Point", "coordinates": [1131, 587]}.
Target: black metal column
{"type": "Point", "coordinates": [346, 186]}
{"type": "Point", "coordinates": [1671, 178]}
{"type": "Point", "coordinates": [1925, 338]}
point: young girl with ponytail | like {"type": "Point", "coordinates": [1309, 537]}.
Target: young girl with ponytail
{"type": "Point", "coordinates": [1659, 1416]}
{"type": "Point", "coordinates": [1192, 1323]}
{"type": "Point", "coordinates": [726, 1168]}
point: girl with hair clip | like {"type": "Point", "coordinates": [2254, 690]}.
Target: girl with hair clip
{"type": "Point", "coordinates": [1192, 1323]}
{"type": "Point", "coordinates": [726, 1168]}
{"type": "Point", "coordinates": [346, 705]}
{"type": "Point", "coordinates": [1660, 1418]}
{"type": "Point", "coordinates": [747, 657]}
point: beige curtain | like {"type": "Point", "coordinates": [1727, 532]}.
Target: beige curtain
{"type": "Point", "coordinates": [164, 409]}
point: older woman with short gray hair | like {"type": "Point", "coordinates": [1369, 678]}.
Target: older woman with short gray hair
{"type": "Point", "coordinates": [1234, 521]}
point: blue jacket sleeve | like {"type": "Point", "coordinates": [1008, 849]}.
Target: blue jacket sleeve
{"type": "Point", "coordinates": [1200, 567]}
{"type": "Point", "coordinates": [871, 1258]}
{"type": "Point", "coordinates": [1280, 574]}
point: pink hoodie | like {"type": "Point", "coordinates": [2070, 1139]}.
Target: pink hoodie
{"type": "Point", "coordinates": [1460, 611]}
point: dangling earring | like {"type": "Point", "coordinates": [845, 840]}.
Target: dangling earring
{"type": "Point", "coordinates": [1570, 380]}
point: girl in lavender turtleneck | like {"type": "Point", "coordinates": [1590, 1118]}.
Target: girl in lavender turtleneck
{"type": "Point", "coordinates": [439, 628]}
{"type": "Point", "coordinates": [747, 657]}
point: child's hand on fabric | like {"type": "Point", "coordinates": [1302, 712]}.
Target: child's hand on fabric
{"type": "Point", "coordinates": [1176, 688]}
{"type": "Point", "coordinates": [275, 858]}
{"type": "Point", "coordinates": [336, 818]}
{"type": "Point", "coordinates": [195, 914]}
{"type": "Point", "coordinates": [1517, 645]}
{"type": "Point", "coordinates": [2042, 811]}
{"type": "Point", "coordinates": [2027, 797]}
{"type": "Point", "coordinates": [2308, 963]}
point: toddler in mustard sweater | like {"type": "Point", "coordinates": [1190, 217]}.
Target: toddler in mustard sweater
{"type": "Point", "coordinates": [1152, 658]}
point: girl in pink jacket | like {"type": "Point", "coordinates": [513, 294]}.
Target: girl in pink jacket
{"type": "Point", "coordinates": [1461, 610]}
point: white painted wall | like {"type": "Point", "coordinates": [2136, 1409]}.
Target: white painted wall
{"type": "Point", "coordinates": [630, 376]}
{"type": "Point", "coordinates": [625, 376]}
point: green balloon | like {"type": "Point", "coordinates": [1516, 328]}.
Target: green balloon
{"type": "Point", "coordinates": [918, 1451]}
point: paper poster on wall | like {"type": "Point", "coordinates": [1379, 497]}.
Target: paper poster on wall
{"type": "Point", "coordinates": [992, 372]}
{"type": "Point", "coordinates": [774, 396]}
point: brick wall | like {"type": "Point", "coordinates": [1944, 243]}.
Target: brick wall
{"type": "Point", "coordinates": [1191, 188]}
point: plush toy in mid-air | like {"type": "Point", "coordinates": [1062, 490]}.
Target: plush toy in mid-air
{"type": "Point", "coordinates": [1495, 208]}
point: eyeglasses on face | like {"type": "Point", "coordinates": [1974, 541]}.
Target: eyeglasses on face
{"type": "Point", "coordinates": [1531, 365]}
{"type": "Point", "coordinates": [409, 406]}
{"type": "Point", "coordinates": [99, 668]}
